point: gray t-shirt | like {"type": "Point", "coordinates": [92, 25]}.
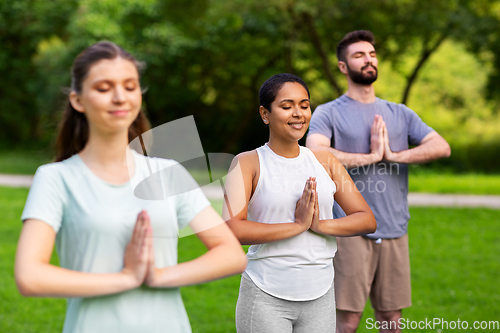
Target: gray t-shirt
{"type": "Point", "coordinates": [384, 185]}
{"type": "Point", "coordinates": [94, 221]}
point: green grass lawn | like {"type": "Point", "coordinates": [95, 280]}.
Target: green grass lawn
{"type": "Point", "coordinates": [455, 183]}
{"type": "Point", "coordinates": [455, 261]}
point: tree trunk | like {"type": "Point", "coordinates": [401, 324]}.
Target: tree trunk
{"type": "Point", "coordinates": [424, 56]}
{"type": "Point", "coordinates": [308, 20]}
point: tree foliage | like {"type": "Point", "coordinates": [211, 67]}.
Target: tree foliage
{"type": "Point", "coordinates": [208, 58]}
{"type": "Point", "coordinates": [23, 25]}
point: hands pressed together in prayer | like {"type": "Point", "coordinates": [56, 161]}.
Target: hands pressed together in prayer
{"type": "Point", "coordinates": [307, 208]}
{"type": "Point", "coordinates": [139, 261]}
{"type": "Point", "coordinates": [379, 141]}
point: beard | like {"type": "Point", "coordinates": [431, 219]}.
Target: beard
{"type": "Point", "coordinates": [362, 78]}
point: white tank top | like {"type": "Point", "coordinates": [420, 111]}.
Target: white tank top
{"type": "Point", "coordinates": [299, 268]}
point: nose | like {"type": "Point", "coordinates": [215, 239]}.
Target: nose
{"type": "Point", "coordinates": [118, 95]}
{"type": "Point", "coordinates": [297, 111]}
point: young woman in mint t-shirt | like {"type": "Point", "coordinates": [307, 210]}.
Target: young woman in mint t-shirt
{"type": "Point", "coordinates": [118, 253]}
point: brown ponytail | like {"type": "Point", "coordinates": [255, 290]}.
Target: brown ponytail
{"type": "Point", "coordinates": [74, 128]}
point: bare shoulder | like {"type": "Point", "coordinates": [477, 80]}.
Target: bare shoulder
{"type": "Point", "coordinates": [248, 161]}
{"type": "Point", "coordinates": [248, 156]}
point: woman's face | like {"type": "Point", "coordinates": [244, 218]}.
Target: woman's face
{"type": "Point", "coordinates": [290, 112]}
{"type": "Point", "coordinates": [111, 96]}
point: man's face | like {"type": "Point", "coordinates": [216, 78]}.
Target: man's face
{"type": "Point", "coordinates": [362, 63]}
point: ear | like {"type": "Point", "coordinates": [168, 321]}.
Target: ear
{"type": "Point", "coordinates": [263, 114]}
{"type": "Point", "coordinates": [343, 67]}
{"type": "Point", "coordinates": [74, 99]}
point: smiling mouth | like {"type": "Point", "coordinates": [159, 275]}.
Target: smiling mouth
{"type": "Point", "coordinates": [119, 112]}
{"type": "Point", "coordinates": [297, 125]}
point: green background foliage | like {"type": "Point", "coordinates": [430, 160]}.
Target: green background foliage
{"type": "Point", "coordinates": [209, 58]}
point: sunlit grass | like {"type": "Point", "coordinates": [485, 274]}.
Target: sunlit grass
{"type": "Point", "coordinates": [455, 261]}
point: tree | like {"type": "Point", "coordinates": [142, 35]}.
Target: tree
{"type": "Point", "coordinates": [209, 58]}
{"type": "Point", "coordinates": [23, 25]}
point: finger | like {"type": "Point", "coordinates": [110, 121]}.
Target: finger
{"type": "Point", "coordinates": [146, 219]}
{"type": "Point", "coordinates": [147, 249]}
{"type": "Point", "coordinates": [307, 200]}
{"type": "Point", "coordinates": [304, 192]}
{"type": "Point", "coordinates": [145, 232]}
{"type": "Point", "coordinates": [312, 202]}
{"type": "Point", "coordinates": [377, 128]}
{"type": "Point", "coordinates": [141, 241]}
{"type": "Point", "coordinates": [311, 197]}
{"type": "Point", "coordinates": [144, 247]}
{"type": "Point", "coordinates": [137, 228]}
{"type": "Point", "coordinates": [374, 125]}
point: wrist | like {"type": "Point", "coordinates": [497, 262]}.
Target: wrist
{"type": "Point", "coordinates": [393, 157]}
{"type": "Point", "coordinates": [299, 227]}
{"type": "Point", "coordinates": [317, 226]}
{"type": "Point", "coordinates": [128, 280]}
{"type": "Point", "coordinates": [160, 278]}
{"type": "Point", "coordinates": [374, 158]}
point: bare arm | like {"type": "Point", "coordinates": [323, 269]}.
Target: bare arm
{"type": "Point", "coordinates": [239, 187]}
{"type": "Point", "coordinates": [35, 276]}
{"type": "Point", "coordinates": [359, 219]}
{"type": "Point", "coordinates": [432, 147]}
{"type": "Point", "coordinates": [352, 160]}
{"type": "Point", "coordinates": [224, 257]}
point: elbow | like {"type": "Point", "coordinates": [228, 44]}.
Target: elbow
{"type": "Point", "coordinates": [447, 150]}
{"type": "Point", "coordinates": [444, 149]}
{"type": "Point", "coordinates": [26, 286]}
{"type": "Point", "coordinates": [237, 260]}
{"type": "Point", "coordinates": [371, 224]}
{"type": "Point", "coordinates": [241, 261]}
{"type": "Point", "coordinates": [241, 264]}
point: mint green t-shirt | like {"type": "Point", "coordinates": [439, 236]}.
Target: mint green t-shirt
{"type": "Point", "coordinates": [94, 221]}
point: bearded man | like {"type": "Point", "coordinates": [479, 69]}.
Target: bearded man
{"type": "Point", "coordinates": [372, 138]}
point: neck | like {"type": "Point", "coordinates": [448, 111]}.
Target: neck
{"type": "Point", "coordinates": [288, 149]}
{"type": "Point", "coordinates": [105, 149]}
{"type": "Point", "coordinates": [360, 93]}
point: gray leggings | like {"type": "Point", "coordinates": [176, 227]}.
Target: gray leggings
{"type": "Point", "coordinates": [259, 312]}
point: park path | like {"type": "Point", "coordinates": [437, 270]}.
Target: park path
{"type": "Point", "coordinates": [414, 199]}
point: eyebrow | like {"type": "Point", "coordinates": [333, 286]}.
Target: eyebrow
{"type": "Point", "coordinates": [291, 100]}
{"type": "Point", "coordinates": [111, 81]}
{"type": "Point", "coordinates": [363, 52]}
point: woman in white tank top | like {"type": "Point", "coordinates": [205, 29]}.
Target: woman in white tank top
{"type": "Point", "coordinates": [279, 200]}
